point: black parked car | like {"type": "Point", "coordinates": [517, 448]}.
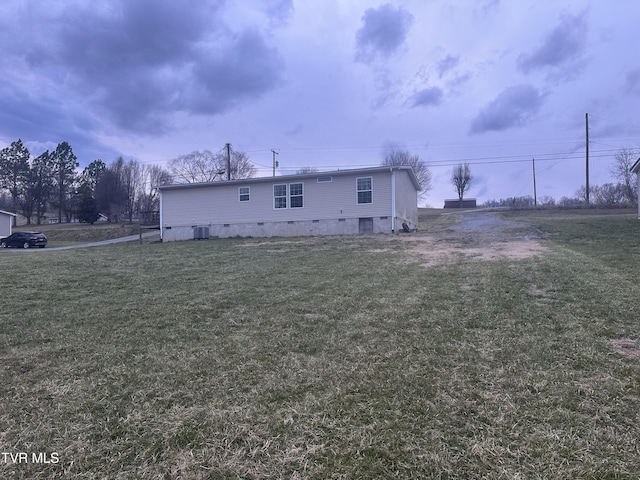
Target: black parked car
{"type": "Point", "coordinates": [24, 240]}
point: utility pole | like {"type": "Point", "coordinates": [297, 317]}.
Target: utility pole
{"type": "Point", "coordinates": [228, 161]}
{"type": "Point", "coordinates": [275, 162]}
{"type": "Point", "coordinates": [586, 118]}
{"type": "Point", "coordinates": [535, 196]}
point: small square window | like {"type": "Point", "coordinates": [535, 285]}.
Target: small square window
{"type": "Point", "coordinates": [243, 194]}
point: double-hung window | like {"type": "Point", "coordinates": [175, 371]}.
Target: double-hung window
{"type": "Point", "coordinates": [280, 196]}
{"type": "Point", "coordinates": [243, 194]}
{"type": "Point", "coordinates": [288, 196]}
{"type": "Point", "coordinates": [296, 195]}
{"type": "Point", "coordinates": [365, 190]}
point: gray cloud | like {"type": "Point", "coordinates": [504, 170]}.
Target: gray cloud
{"type": "Point", "coordinates": [427, 97]}
{"type": "Point", "coordinates": [511, 108]}
{"type": "Point", "coordinates": [279, 11]}
{"type": "Point", "coordinates": [632, 82]}
{"type": "Point", "coordinates": [563, 44]}
{"type": "Point", "coordinates": [487, 7]}
{"type": "Point", "coordinates": [48, 120]}
{"type": "Point", "coordinates": [459, 80]}
{"type": "Point", "coordinates": [244, 68]}
{"type": "Point", "coordinates": [136, 63]}
{"type": "Point", "coordinates": [383, 32]}
{"type": "Point", "coordinates": [447, 63]}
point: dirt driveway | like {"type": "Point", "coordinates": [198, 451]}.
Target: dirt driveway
{"type": "Point", "coordinates": [479, 234]}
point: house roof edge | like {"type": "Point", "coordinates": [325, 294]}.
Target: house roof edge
{"type": "Point", "coordinates": [244, 181]}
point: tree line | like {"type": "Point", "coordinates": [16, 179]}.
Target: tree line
{"type": "Point", "coordinates": [619, 194]}
{"type": "Point", "coordinates": [126, 190]}
{"type": "Point", "coordinates": [119, 191]}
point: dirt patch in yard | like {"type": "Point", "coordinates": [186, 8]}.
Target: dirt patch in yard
{"type": "Point", "coordinates": [626, 347]}
{"type": "Point", "coordinates": [478, 235]}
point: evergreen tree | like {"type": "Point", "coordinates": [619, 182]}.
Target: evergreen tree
{"type": "Point", "coordinates": [87, 206]}
{"type": "Point", "coordinates": [14, 170]}
{"type": "Point", "coordinates": [64, 166]}
{"type": "Point", "coordinates": [41, 183]}
{"type": "Point", "coordinates": [91, 174]}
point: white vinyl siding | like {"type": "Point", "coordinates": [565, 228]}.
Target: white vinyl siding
{"type": "Point", "coordinates": [6, 221]}
{"type": "Point", "coordinates": [406, 199]}
{"type": "Point", "coordinates": [219, 203]}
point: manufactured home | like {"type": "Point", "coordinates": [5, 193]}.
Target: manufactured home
{"type": "Point", "coordinates": [368, 200]}
{"type": "Point", "coordinates": [6, 223]}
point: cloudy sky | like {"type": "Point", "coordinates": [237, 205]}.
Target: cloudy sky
{"type": "Point", "coordinates": [331, 84]}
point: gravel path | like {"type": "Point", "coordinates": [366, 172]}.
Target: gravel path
{"type": "Point", "coordinates": [490, 226]}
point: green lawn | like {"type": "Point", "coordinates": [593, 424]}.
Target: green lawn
{"type": "Point", "coordinates": [326, 358]}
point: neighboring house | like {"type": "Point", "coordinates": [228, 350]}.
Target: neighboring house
{"type": "Point", "coordinates": [369, 200]}
{"type": "Point", "coordinates": [635, 168]}
{"type": "Point", "coordinates": [6, 223]}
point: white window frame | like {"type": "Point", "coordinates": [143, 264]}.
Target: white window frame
{"type": "Point", "coordinates": [247, 194]}
{"type": "Point", "coordinates": [359, 191]}
{"type": "Point", "coordinates": [301, 196]}
{"type": "Point", "coordinates": [279, 197]}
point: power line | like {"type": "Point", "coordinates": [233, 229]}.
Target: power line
{"type": "Point", "coordinates": [557, 158]}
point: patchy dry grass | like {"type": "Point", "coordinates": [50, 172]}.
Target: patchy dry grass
{"type": "Point", "coordinates": [339, 357]}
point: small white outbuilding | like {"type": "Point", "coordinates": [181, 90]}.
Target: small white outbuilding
{"type": "Point", "coordinates": [6, 223]}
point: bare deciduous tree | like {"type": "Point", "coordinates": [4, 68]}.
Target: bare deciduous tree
{"type": "Point", "coordinates": [205, 167]}
{"type": "Point", "coordinates": [132, 181]}
{"type": "Point", "coordinates": [609, 194]}
{"type": "Point", "coordinates": [149, 201]}
{"type": "Point", "coordinates": [621, 170]}
{"type": "Point", "coordinates": [241, 166]}
{"type": "Point", "coordinates": [119, 188]}
{"type": "Point", "coordinates": [420, 169]}
{"type": "Point", "coordinates": [195, 167]}
{"type": "Point", "coordinates": [461, 179]}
